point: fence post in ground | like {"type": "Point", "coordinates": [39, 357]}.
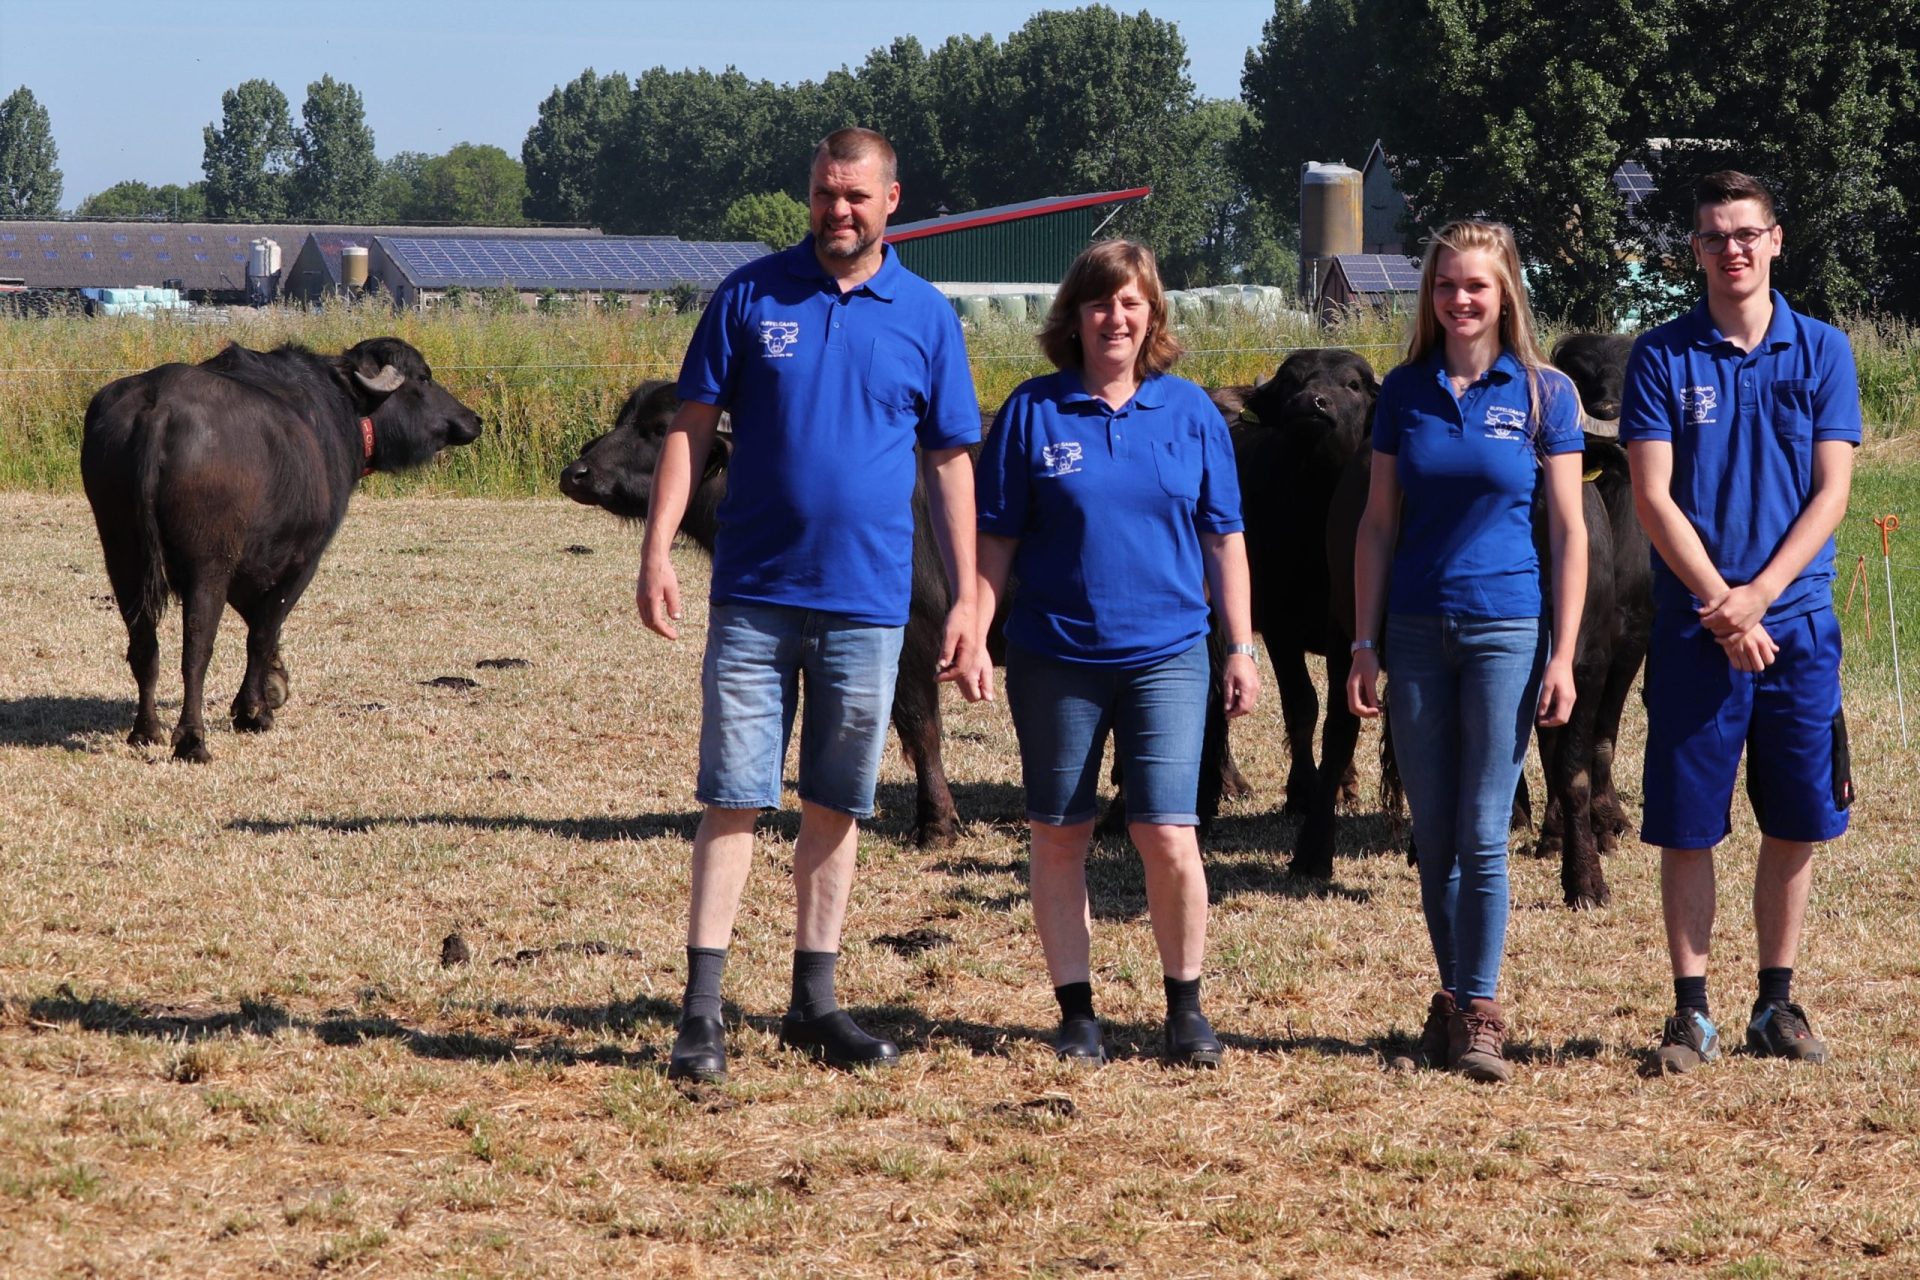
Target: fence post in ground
{"type": "Point", "coordinates": [1887, 524]}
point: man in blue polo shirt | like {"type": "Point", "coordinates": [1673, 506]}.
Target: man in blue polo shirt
{"type": "Point", "coordinates": [834, 362]}
{"type": "Point", "coordinates": [1740, 420]}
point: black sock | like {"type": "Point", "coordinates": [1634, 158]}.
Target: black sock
{"type": "Point", "coordinates": [1183, 995]}
{"type": "Point", "coordinates": [1691, 993]}
{"type": "Point", "coordinates": [704, 967]}
{"type": "Point", "coordinates": [1076, 1000]}
{"type": "Point", "coordinates": [813, 984]}
{"type": "Point", "coordinates": [1776, 987]}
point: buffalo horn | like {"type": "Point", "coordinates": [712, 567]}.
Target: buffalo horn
{"type": "Point", "coordinates": [386, 382]}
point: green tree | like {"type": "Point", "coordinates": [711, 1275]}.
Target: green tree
{"type": "Point", "coordinates": [335, 175]}
{"type": "Point", "coordinates": [1818, 97]}
{"type": "Point", "coordinates": [474, 185]}
{"type": "Point", "coordinates": [133, 199]}
{"type": "Point", "coordinates": [774, 218]}
{"type": "Point", "coordinates": [29, 161]}
{"type": "Point", "coordinates": [562, 150]}
{"type": "Point", "coordinates": [1313, 90]}
{"type": "Point", "coordinates": [397, 195]}
{"type": "Point", "coordinates": [248, 155]}
{"type": "Point", "coordinates": [689, 145]}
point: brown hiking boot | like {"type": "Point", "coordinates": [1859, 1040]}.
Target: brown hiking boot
{"type": "Point", "coordinates": [1432, 1049]}
{"type": "Point", "coordinates": [1475, 1037]}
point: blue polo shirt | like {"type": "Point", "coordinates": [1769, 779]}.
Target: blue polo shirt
{"type": "Point", "coordinates": [1108, 505]}
{"type": "Point", "coordinates": [1743, 426]}
{"type": "Point", "coordinates": [1467, 469]}
{"type": "Point", "coordinates": [829, 393]}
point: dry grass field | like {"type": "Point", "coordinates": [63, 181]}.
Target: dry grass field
{"type": "Point", "coordinates": [228, 1046]}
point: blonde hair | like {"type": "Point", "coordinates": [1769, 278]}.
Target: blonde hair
{"type": "Point", "coordinates": [1102, 270]}
{"type": "Point", "coordinates": [1517, 333]}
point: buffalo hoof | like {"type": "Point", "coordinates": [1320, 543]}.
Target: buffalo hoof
{"type": "Point", "coordinates": [147, 735]}
{"type": "Point", "coordinates": [1589, 897]}
{"type": "Point", "coordinates": [1548, 846]}
{"type": "Point", "coordinates": [1347, 799]}
{"type": "Point", "coordinates": [1313, 855]}
{"type": "Point", "coordinates": [935, 833]}
{"type": "Point", "coordinates": [277, 688]}
{"type": "Point", "coordinates": [1233, 784]}
{"type": "Point", "coordinates": [252, 719]}
{"type": "Point", "coordinates": [190, 747]}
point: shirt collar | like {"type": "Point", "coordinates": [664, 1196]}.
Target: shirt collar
{"type": "Point", "coordinates": [1504, 369]}
{"type": "Point", "coordinates": [1782, 330]}
{"type": "Point", "coordinates": [1073, 390]}
{"type": "Point", "coordinates": [884, 283]}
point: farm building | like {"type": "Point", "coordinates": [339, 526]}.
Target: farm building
{"type": "Point", "coordinates": [208, 260]}
{"type": "Point", "coordinates": [1386, 219]}
{"type": "Point", "coordinates": [1027, 244]}
{"type": "Point", "coordinates": [1383, 282]}
{"type": "Point", "coordinates": [417, 269]}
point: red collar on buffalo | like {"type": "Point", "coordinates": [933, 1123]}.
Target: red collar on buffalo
{"type": "Point", "coordinates": [366, 442]}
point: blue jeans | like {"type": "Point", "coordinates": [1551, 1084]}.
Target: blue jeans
{"type": "Point", "coordinates": [757, 659]}
{"type": "Point", "coordinates": [1463, 694]}
{"type": "Point", "coordinates": [1062, 712]}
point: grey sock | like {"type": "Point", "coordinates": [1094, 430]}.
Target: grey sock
{"type": "Point", "coordinates": [704, 967]}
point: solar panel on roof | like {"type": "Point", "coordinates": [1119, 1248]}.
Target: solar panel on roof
{"type": "Point", "coordinates": [1380, 272]}
{"type": "Point", "coordinates": [567, 264]}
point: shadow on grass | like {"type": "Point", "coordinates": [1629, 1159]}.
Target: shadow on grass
{"type": "Point", "coordinates": [266, 1019]}
{"type": "Point", "coordinates": [66, 723]}
{"type": "Point", "coordinates": [643, 826]}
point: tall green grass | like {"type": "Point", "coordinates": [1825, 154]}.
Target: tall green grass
{"type": "Point", "coordinates": [546, 382]}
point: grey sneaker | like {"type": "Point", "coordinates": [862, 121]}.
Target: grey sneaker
{"type": "Point", "coordinates": [1780, 1030]}
{"type": "Point", "coordinates": [1688, 1040]}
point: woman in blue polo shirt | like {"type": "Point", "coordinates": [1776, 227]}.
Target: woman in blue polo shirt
{"type": "Point", "coordinates": [1464, 432]}
{"type": "Point", "coordinates": [1108, 491]}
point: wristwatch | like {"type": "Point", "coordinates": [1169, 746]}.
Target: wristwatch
{"type": "Point", "coordinates": [1240, 651]}
{"type": "Point", "coordinates": [1358, 645]}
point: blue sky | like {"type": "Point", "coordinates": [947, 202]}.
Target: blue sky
{"type": "Point", "coordinates": [130, 84]}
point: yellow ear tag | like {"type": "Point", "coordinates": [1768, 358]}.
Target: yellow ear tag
{"type": "Point", "coordinates": [1591, 476]}
{"type": "Point", "coordinates": [1249, 417]}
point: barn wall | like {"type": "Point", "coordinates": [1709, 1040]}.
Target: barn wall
{"type": "Point", "coordinates": [1034, 250]}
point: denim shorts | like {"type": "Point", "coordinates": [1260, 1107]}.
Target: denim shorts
{"type": "Point", "coordinates": [1702, 714]}
{"type": "Point", "coordinates": [1063, 711]}
{"type": "Point", "coordinates": [759, 658]}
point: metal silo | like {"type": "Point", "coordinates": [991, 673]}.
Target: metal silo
{"type": "Point", "coordinates": [1332, 214]}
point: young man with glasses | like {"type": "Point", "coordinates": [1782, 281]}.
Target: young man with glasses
{"type": "Point", "coordinates": [1740, 420]}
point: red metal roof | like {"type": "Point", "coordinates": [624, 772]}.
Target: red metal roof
{"type": "Point", "coordinates": [1010, 213]}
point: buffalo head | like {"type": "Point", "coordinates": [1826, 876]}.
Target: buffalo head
{"type": "Point", "coordinates": [615, 471]}
{"type": "Point", "coordinates": [1320, 399]}
{"type": "Point", "coordinates": [413, 416]}
{"type": "Point", "coordinates": [1597, 363]}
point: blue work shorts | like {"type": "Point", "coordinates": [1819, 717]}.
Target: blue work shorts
{"type": "Point", "coordinates": [759, 658]}
{"type": "Point", "coordinates": [1701, 714]}
{"type": "Point", "coordinates": [1063, 711]}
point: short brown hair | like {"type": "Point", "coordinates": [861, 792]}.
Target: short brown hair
{"type": "Point", "coordinates": [1725, 186]}
{"type": "Point", "coordinates": [850, 146]}
{"type": "Point", "coordinates": [1102, 270]}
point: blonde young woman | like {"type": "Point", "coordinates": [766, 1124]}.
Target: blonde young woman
{"type": "Point", "coordinates": [1463, 434]}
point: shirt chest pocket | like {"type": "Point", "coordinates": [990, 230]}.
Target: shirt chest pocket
{"type": "Point", "coordinates": [1793, 426]}
{"type": "Point", "coordinates": [894, 378]}
{"type": "Point", "coordinates": [1793, 409]}
{"type": "Point", "coordinates": [1178, 463]}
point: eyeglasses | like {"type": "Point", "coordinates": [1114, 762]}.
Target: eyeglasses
{"type": "Point", "coordinates": [1715, 242]}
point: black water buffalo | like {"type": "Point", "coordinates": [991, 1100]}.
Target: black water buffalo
{"type": "Point", "coordinates": [1597, 363]}
{"type": "Point", "coordinates": [223, 482]}
{"type": "Point", "coordinates": [615, 472]}
{"type": "Point", "coordinates": [1584, 816]}
{"type": "Point", "coordinates": [1297, 434]}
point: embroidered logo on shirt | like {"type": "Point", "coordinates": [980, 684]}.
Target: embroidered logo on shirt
{"type": "Point", "coordinates": [1505, 422]}
{"type": "Point", "coordinates": [777, 335]}
{"type": "Point", "coordinates": [1061, 459]}
{"type": "Point", "coordinates": [1698, 402]}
